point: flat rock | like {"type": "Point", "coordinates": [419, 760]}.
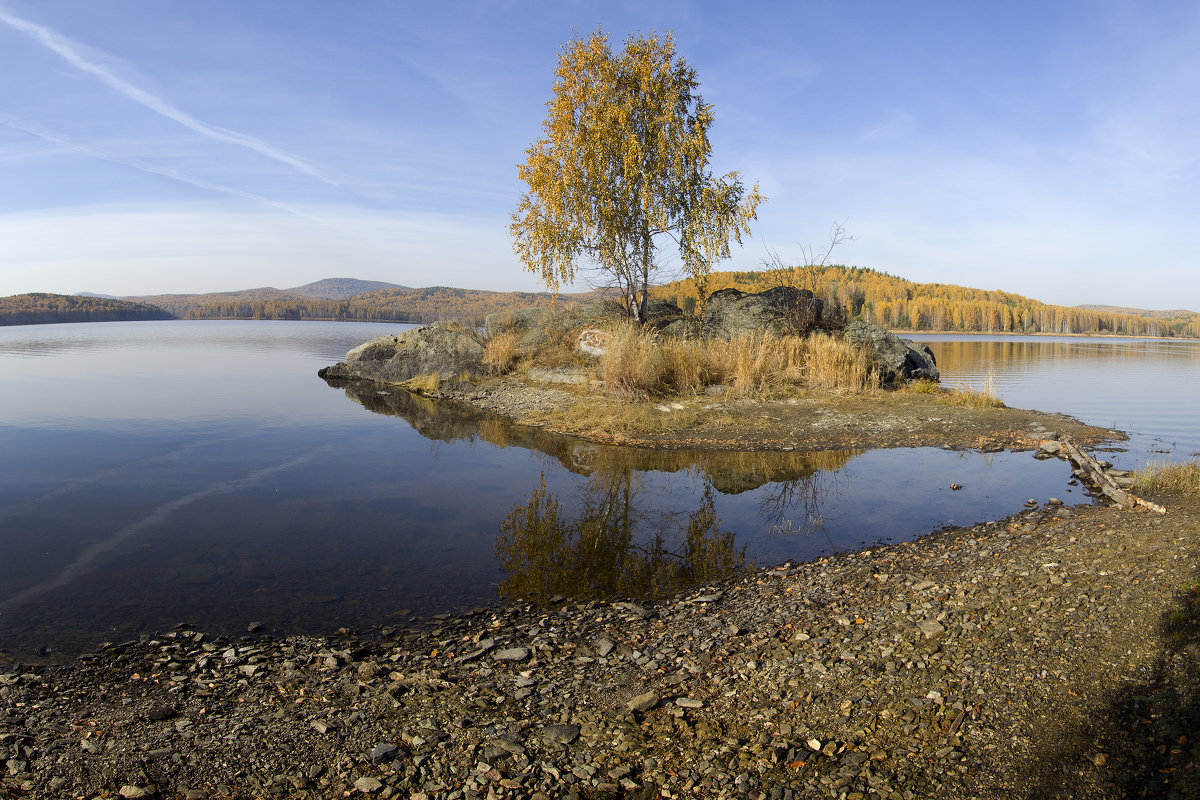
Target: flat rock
{"type": "Point", "coordinates": [563, 734]}
{"type": "Point", "coordinates": [511, 654]}
{"type": "Point", "coordinates": [383, 752]}
{"type": "Point", "coordinates": [931, 628]}
{"type": "Point", "coordinates": [368, 785]}
{"type": "Point", "coordinates": [643, 702]}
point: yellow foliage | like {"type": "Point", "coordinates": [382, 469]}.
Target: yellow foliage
{"type": "Point", "coordinates": [622, 167]}
{"type": "Point", "coordinates": [901, 304]}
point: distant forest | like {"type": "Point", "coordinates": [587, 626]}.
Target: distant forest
{"type": "Point", "coordinates": [900, 304]}
{"type": "Point", "coordinates": [39, 308]}
{"type": "Point", "coordinates": [863, 294]}
{"type": "Point", "coordinates": [388, 305]}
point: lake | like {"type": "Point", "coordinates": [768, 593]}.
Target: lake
{"type": "Point", "coordinates": [153, 473]}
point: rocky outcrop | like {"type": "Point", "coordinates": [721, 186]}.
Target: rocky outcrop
{"type": "Point", "coordinates": [446, 349]}
{"type": "Point", "coordinates": [783, 310]}
{"type": "Point", "coordinates": [536, 327]}
{"type": "Point", "coordinates": [895, 358]}
{"type": "Point", "coordinates": [456, 352]}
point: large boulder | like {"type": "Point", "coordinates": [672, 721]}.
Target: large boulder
{"type": "Point", "coordinates": [783, 310]}
{"type": "Point", "coordinates": [895, 358]}
{"type": "Point", "coordinates": [446, 349]}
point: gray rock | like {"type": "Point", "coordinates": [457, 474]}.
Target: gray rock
{"type": "Point", "coordinates": [383, 752]}
{"type": "Point", "coordinates": [512, 654]}
{"type": "Point", "coordinates": [783, 310]}
{"type": "Point", "coordinates": [895, 358]}
{"type": "Point", "coordinates": [368, 785]}
{"type": "Point", "coordinates": [563, 734]}
{"type": "Point", "coordinates": [571, 375]}
{"type": "Point", "coordinates": [447, 349]}
{"type": "Point", "coordinates": [643, 702]}
{"type": "Point", "coordinates": [931, 628]}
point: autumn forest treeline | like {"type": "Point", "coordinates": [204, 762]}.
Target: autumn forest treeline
{"type": "Point", "coordinates": [863, 293]}
{"type": "Point", "coordinates": [40, 308]}
{"type": "Point", "coordinates": [901, 304]}
{"type": "Point", "coordinates": [388, 305]}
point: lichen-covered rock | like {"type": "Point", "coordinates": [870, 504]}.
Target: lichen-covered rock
{"type": "Point", "coordinates": [895, 358]}
{"type": "Point", "coordinates": [530, 323]}
{"type": "Point", "coordinates": [446, 349]}
{"type": "Point", "coordinates": [783, 310]}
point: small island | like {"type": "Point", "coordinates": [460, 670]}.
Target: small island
{"type": "Point", "coordinates": [776, 370]}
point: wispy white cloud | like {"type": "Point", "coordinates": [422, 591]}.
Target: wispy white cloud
{"type": "Point", "coordinates": [66, 49]}
{"type": "Point", "coordinates": [142, 166]}
{"type": "Point", "coordinates": [896, 125]}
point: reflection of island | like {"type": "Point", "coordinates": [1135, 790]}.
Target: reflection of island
{"type": "Point", "coordinates": [613, 542]}
{"type": "Point", "coordinates": [729, 472]}
{"type": "Point", "coordinates": [611, 546]}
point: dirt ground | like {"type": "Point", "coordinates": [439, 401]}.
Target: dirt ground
{"type": "Point", "coordinates": [812, 422]}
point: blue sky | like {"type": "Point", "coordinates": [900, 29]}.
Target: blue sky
{"type": "Point", "coordinates": [1046, 148]}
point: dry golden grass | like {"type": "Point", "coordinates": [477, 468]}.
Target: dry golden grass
{"type": "Point", "coordinates": [605, 417]}
{"type": "Point", "coordinates": [500, 352]}
{"type": "Point", "coordinates": [969, 396]}
{"type": "Point", "coordinates": [632, 362]}
{"type": "Point", "coordinates": [639, 364]}
{"type": "Point", "coordinates": [1182, 478]}
{"type": "Point", "coordinates": [423, 383]}
{"type": "Point", "coordinates": [834, 364]}
{"type": "Point", "coordinates": [923, 386]}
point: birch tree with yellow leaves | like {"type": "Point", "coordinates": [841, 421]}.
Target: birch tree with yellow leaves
{"type": "Point", "coordinates": [622, 172]}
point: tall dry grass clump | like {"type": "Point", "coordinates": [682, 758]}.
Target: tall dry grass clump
{"type": "Point", "coordinates": [500, 352]}
{"type": "Point", "coordinates": [638, 363]}
{"type": "Point", "coordinates": [969, 396]}
{"type": "Point", "coordinates": [632, 362]}
{"type": "Point", "coordinates": [757, 362]}
{"type": "Point", "coordinates": [836, 365]}
{"type": "Point", "coordinates": [1182, 479]}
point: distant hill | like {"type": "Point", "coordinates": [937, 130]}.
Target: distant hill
{"type": "Point", "coordinates": [93, 294]}
{"type": "Point", "coordinates": [1142, 312]}
{"type": "Point", "coordinates": [387, 305]}
{"type": "Point", "coordinates": [181, 304]}
{"type": "Point", "coordinates": [904, 305]}
{"type": "Point", "coordinates": [863, 293]}
{"type": "Point", "coordinates": [340, 288]}
{"type": "Point", "coordinates": [40, 307]}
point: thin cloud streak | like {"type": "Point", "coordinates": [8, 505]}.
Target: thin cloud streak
{"type": "Point", "coordinates": [64, 48]}
{"type": "Point", "coordinates": [54, 138]}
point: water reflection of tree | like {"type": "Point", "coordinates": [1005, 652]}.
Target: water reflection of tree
{"type": "Point", "coordinates": [795, 505]}
{"type": "Point", "coordinates": [610, 547]}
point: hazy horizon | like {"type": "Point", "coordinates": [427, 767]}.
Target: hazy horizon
{"type": "Point", "coordinates": [1044, 149]}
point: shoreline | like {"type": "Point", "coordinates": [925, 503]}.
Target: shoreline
{"type": "Point", "coordinates": [1006, 659]}
{"type": "Point", "coordinates": [812, 422]}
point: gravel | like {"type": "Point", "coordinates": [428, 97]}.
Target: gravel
{"type": "Point", "coordinates": [1052, 654]}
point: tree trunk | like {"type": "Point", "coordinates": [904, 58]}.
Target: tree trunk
{"type": "Point", "coordinates": [647, 254]}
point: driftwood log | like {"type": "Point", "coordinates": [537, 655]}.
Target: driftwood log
{"type": "Point", "coordinates": [1103, 481]}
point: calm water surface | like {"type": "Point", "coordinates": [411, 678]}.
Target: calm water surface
{"type": "Point", "coordinates": [1145, 387]}
{"type": "Point", "coordinates": [154, 473]}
